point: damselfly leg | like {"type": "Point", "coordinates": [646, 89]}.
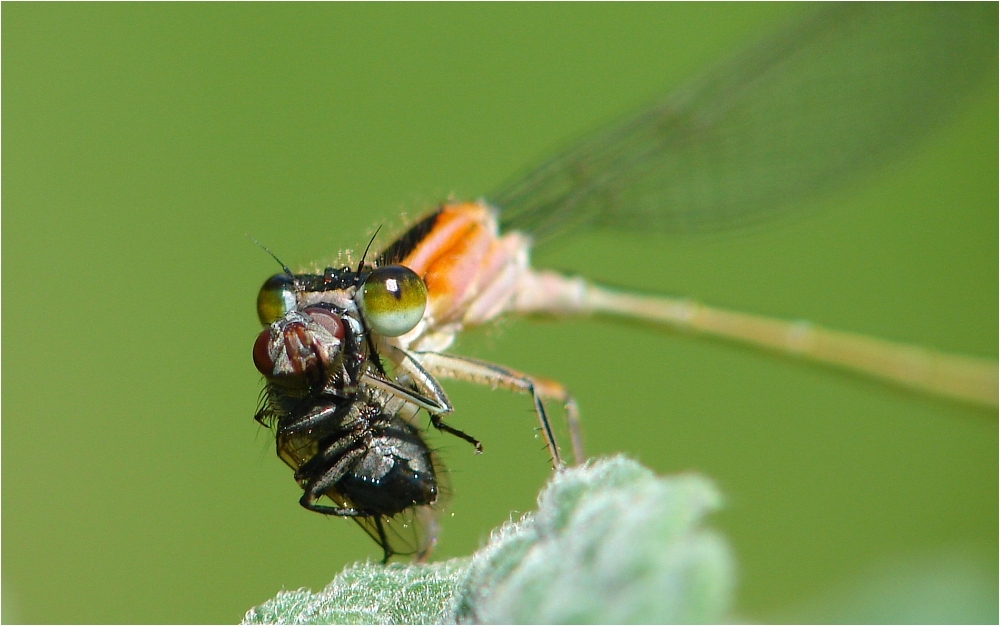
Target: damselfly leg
{"type": "Point", "coordinates": [500, 377]}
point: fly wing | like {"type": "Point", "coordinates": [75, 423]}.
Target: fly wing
{"type": "Point", "coordinates": [412, 532]}
{"type": "Point", "coordinates": [796, 116]}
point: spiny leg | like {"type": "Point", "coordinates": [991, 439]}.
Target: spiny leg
{"type": "Point", "coordinates": [317, 488]}
{"type": "Point", "coordinates": [331, 452]}
{"type": "Point", "coordinates": [472, 370]}
{"type": "Point", "coordinates": [440, 425]}
{"type": "Point", "coordinates": [430, 397]}
{"type": "Point", "coordinates": [312, 418]}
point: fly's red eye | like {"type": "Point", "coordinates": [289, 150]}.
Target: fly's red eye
{"type": "Point", "coordinates": [328, 320]}
{"type": "Point", "coordinates": [261, 357]}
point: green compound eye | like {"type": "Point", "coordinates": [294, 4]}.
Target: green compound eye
{"type": "Point", "coordinates": [392, 300]}
{"type": "Point", "coordinates": [276, 297]}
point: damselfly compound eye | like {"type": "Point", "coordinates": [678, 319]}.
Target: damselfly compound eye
{"type": "Point", "coordinates": [392, 299]}
{"type": "Point", "coordinates": [276, 297]}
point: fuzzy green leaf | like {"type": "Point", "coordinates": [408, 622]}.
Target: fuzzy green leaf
{"type": "Point", "coordinates": [610, 542]}
{"type": "Point", "coordinates": [370, 593]}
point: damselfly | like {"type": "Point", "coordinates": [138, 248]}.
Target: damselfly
{"type": "Point", "coordinates": [352, 354]}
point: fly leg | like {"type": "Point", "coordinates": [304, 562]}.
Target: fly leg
{"type": "Point", "coordinates": [313, 418]}
{"type": "Point", "coordinates": [333, 453]}
{"type": "Point", "coordinates": [540, 389]}
{"type": "Point", "coordinates": [317, 488]}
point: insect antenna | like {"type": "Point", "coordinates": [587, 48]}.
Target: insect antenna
{"type": "Point", "coordinates": [367, 248]}
{"type": "Point", "coordinates": [273, 255]}
{"type": "Point", "coordinates": [373, 355]}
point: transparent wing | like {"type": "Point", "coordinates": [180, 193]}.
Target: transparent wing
{"type": "Point", "coordinates": [793, 117]}
{"type": "Point", "coordinates": [412, 532]}
{"type": "Point", "coordinates": [409, 533]}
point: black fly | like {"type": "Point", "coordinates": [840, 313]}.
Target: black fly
{"type": "Point", "coordinates": [340, 421]}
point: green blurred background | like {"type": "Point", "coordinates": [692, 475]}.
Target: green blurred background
{"type": "Point", "coordinates": [140, 144]}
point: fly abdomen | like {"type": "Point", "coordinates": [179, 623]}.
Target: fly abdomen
{"type": "Point", "coordinates": [393, 473]}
